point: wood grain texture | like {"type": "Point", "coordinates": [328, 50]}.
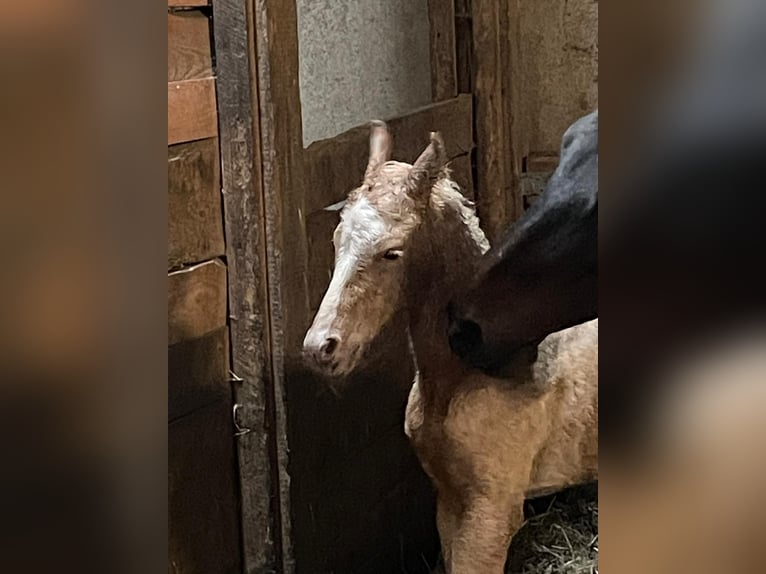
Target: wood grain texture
{"type": "Point", "coordinates": [281, 137]}
{"type": "Point", "coordinates": [542, 161]}
{"type": "Point", "coordinates": [195, 229]}
{"type": "Point", "coordinates": [494, 159]}
{"type": "Point", "coordinates": [189, 50]}
{"type": "Point", "coordinates": [463, 46]}
{"type": "Point", "coordinates": [441, 17]}
{"type": "Point", "coordinates": [349, 451]}
{"type": "Point", "coordinates": [514, 92]}
{"type": "Point", "coordinates": [189, 3]}
{"type": "Point", "coordinates": [196, 301]}
{"type": "Point", "coordinates": [248, 297]}
{"type": "Point", "coordinates": [203, 522]}
{"type": "Point", "coordinates": [330, 179]}
{"type": "Point", "coordinates": [191, 110]}
{"type": "Point", "coordinates": [462, 173]}
{"type": "Point", "coordinates": [198, 372]}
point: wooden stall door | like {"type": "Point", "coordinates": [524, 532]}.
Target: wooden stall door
{"type": "Point", "coordinates": [354, 497]}
{"type": "Point", "coordinates": [352, 465]}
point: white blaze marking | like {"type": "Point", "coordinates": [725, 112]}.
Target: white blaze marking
{"type": "Point", "coordinates": [356, 237]}
{"type": "Point", "coordinates": [360, 230]}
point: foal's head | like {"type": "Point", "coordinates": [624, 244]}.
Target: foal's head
{"type": "Point", "coordinates": [371, 251]}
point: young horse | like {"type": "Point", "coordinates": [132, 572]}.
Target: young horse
{"type": "Point", "coordinates": [408, 239]}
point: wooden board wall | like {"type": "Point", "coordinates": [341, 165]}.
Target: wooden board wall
{"type": "Point", "coordinates": [195, 231]}
{"type": "Point", "coordinates": [203, 502]}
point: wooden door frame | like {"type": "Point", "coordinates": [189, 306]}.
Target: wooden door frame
{"type": "Point", "coordinates": [262, 159]}
{"type": "Point", "coordinates": [474, 49]}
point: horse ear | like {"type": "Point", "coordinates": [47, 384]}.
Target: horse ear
{"type": "Point", "coordinates": [425, 171]}
{"type": "Point", "coordinates": [380, 147]}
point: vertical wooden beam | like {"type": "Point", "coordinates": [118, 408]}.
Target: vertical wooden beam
{"type": "Point", "coordinates": [496, 204]}
{"type": "Point", "coordinates": [515, 104]}
{"type": "Point", "coordinates": [281, 141]}
{"type": "Point", "coordinates": [248, 294]}
{"type": "Point", "coordinates": [463, 47]}
{"type": "Point", "coordinates": [441, 17]}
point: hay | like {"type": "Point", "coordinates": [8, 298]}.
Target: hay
{"type": "Point", "coordinates": [560, 535]}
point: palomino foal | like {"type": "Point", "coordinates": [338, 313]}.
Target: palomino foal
{"type": "Point", "coordinates": [408, 239]}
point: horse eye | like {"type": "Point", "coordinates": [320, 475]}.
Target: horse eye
{"type": "Point", "coordinates": [392, 254]}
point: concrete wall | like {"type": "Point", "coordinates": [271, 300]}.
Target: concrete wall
{"type": "Point", "coordinates": [359, 60]}
{"type": "Point", "coordinates": [559, 65]}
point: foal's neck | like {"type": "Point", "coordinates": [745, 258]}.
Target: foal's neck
{"type": "Point", "coordinates": [446, 250]}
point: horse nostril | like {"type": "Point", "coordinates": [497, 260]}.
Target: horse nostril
{"type": "Point", "coordinates": [465, 336]}
{"type": "Point", "coordinates": [329, 346]}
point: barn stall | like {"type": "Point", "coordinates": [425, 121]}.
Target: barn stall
{"type": "Point", "coordinates": [268, 104]}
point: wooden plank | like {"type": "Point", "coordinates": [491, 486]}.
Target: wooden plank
{"type": "Point", "coordinates": [410, 502]}
{"type": "Point", "coordinates": [195, 231]}
{"type": "Point", "coordinates": [203, 528]}
{"type": "Point", "coordinates": [494, 157]}
{"type": "Point", "coordinates": [191, 110]}
{"type": "Point", "coordinates": [515, 95]}
{"type": "Point", "coordinates": [281, 137]}
{"type": "Point", "coordinates": [330, 180]}
{"type": "Point", "coordinates": [463, 46]}
{"type": "Point", "coordinates": [187, 3]}
{"type": "Point", "coordinates": [542, 162]}
{"type": "Point", "coordinates": [248, 297]}
{"type": "Point", "coordinates": [461, 173]}
{"type": "Point", "coordinates": [189, 54]}
{"type": "Point", "coordinates": [196, 301]}
{"type": "Point", "coordinates": [441, 17]}
{"type": "Point", "coordinates": [350, 448]}
{"type": "Point", "coordinates": [197, 373]}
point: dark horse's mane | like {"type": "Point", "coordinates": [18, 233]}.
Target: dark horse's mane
{"type": "Point", "coordinates": [560, 228]}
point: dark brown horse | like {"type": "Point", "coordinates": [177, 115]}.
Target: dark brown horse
{"type": "Point", "coordinates": [542, 277]}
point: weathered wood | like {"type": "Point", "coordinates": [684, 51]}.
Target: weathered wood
{"type": "Point", "coordinates": [514, 92]}
{"type": "Point", "coordinates": [441, 17]}
{"type": "Point", "coordinates": [197, 373]}
{"type": "Point", "coordinates": [409, 502]}
{"type": "Point", "coordinates": [191, 110]}
{"type": "Point", "coordinates": [189, 3]}
{"type": "Point", "coordinates": [248, 298]}
{"type": "Point", "coordinates": [330, 179]}
{"type": "Point", "coordinates": [494, 185]}
{"type": "Point", "coordinates": [189, 55]}
{"type": "Point", "coordinates": [542, 161]}
{"type": "Point", "coordinates": [462, 174]}
{"type": "Point", "coordinates": [352, 448]}
{"type": "Point", "coordinates": [196, 301]}
{"type": "Point", "coordinates": [195, 231]}
{"type": "Point", "coordinates": [463, 46]}
{"type": "Point", "coordinates": [281, 135]}
{"type": "Point", "coordinates": [203, 524]}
